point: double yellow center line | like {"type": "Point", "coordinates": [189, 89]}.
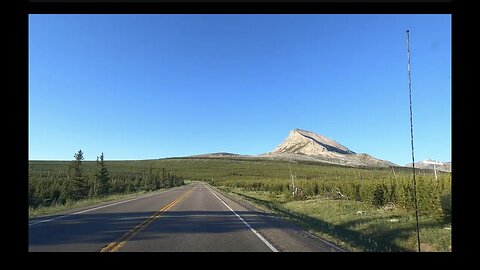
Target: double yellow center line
{"type": "Point", "coordinates": [115, 246]}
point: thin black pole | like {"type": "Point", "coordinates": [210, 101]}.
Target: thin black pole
{"type": "Point", "coordinates": [411, 137]}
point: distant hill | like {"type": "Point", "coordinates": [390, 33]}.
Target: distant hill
{"type": "Point", "coordinates": [309, 146]}
{"type": "Point", "coordinates": [427, 164]}
{"type": "Point", "coordinates": [218, 155]}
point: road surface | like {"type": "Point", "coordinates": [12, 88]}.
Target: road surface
{"type": "Point", "coordinates": [195, 217]}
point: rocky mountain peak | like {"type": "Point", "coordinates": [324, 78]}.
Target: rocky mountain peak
{"type": "Point", "coordinates": [305, 142]}
{"type": "Point", "coordinates": [306, 145]}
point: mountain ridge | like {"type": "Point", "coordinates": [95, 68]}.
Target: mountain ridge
{"type": "Point", "coordinates": [428, 164]}
{"type": "Point", "coordinates": [307, 145]}
{"type": "Point", "coordinates": [310, 141]}
{"type": "Point", "coordinates": [303, 145]}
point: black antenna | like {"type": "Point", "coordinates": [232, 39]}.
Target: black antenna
{"type": "Point", "coordinates": [411, 137]}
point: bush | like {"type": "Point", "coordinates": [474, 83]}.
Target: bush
{"type": "Point", "coordinates": [356, 192]}
{"type": "Point", "coordinates": [378, 199]}
{"type": "Point", "coordinates": [446, 203]}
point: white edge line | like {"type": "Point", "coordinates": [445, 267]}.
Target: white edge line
{"type": "Point", "coordinates": [325, 241]}
{"type": "Point", "coordinates": [92, 209]}
{"type": "Point", "coordinates": [246, 223]}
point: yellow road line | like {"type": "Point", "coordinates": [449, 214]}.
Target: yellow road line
{"type": "Point", "coordinates": [114, 246]}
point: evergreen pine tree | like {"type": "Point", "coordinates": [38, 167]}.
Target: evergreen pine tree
{"type": "Point", "coordinates": [77, 186]}
{"type": "Point", "coordinates": [102, 177]}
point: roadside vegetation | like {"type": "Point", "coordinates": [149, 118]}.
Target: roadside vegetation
{"type": "Point", "coordinates": [360, 209]}
{"type": "Point", "coordinates": [60, 185]}
{"type": "Point", "coordinates": [80, 204]}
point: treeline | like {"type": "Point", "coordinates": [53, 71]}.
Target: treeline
{"type": "Point", "coordinates": [75, 183]}
{"type": "Point", "coordinates": [433, 196]}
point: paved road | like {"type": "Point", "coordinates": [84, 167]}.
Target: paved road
{"type": "Point", "coordinates": [194, 217]}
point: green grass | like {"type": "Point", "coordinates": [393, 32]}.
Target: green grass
{"type": "Point", "coordinates": [78, 205]}
{"type": "Point", "coordinates": [72, 205]}
{"type": "Point", "coordinates": [267, 183]}
{"type": "Point", "coordinates": [337, 221]}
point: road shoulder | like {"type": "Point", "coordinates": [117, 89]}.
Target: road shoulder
{"type": "Point", "coordinates": [283, 234]}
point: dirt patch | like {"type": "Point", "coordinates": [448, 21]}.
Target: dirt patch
{"type": "Point", "coordinates": [427, 247]}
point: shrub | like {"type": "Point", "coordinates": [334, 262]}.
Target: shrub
{"type": "Point", "coordinates": [378, 196]}
{"type": "Point", "coordinates": [356, 192]}
{"type": "Point", "coordinates": [446, 203]}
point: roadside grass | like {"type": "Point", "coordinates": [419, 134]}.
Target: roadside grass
{"type": "Point", "coordinates": [79, 205]}
{"type": "Point", "coordinates": [71, 205]}
{"type": "Point", "coordinates": [337, 221]}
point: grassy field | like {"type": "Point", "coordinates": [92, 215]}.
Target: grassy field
{"type": "Point", "coordinates": [361, 209]}
{"type": "Point", "coordinates": [353, 225]}
{"type": "Point", "coordinates": [69, 205]}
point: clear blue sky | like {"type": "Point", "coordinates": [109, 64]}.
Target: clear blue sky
{"type": "Point", "coordinates": [153, 86]}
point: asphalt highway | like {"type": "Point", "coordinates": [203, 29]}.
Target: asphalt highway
{"type": "Point", "coordinates": [194, 217]}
